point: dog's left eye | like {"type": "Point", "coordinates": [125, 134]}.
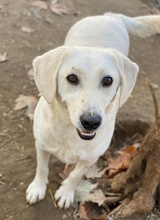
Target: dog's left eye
{"type": "Point", "coordinates": [107, 81]}
{"type": "Point", "coordinates": [73, 79]}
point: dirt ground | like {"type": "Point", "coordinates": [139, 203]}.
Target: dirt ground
{"type": "Point", "coordinates": [47, 31]}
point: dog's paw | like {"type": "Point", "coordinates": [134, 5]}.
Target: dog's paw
{"type": "Point", "coordinates": [64, 196]}
{"type": "Point", "coordinates": [36, 191]}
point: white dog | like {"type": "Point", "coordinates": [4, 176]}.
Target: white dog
{"type": "Point", "coordinates": [83, 84]}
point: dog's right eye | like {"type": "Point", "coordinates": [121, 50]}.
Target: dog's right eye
{"type": "Point", "coordinates": [73, 79]}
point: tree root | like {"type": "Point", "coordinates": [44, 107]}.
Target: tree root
{"type": "Point", "coordinates": [140, 182]}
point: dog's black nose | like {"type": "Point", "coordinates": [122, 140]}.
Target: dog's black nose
{"type": "Point", "coordinates": [90, 122]}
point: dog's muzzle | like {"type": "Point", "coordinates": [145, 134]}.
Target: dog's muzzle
{"type": "Point", "coordinates": [89, 122]}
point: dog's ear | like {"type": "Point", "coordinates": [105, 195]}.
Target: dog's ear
{"type": "Point", "coordinates": [128, 74]}
{"type": "Point", "coordinates": [45, 72]}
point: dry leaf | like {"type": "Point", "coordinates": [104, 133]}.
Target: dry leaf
{"type": "Point", "coordinates": [155, 11]}
{"type": "Point", "coordinates": [3, 57]}
{"type": "Point", "coordinates": [40, 4]}
{"type": "Point", "coordinates": [29, 102]}
{"type": "Point", "coordinates": [87, 192]}
{"type": "Point", "coordinates": [131, 149]}
{"type": "Point", "coordinates": [116, 165]}
{"type": "Point", "coordinates": [58, 8]}
{"type": "Point", "coordinates": [94, 172]}
{"type": "Point", "coordinates": [121, 161]}
{"type": "Point", "coordinates": [31, 74]}
{"type": "Point", "coordinates": [82, 211]}
{"type": "Point", "coordinates": [83, 190]}
{"type": "Point", "coordinates": [97, 196]}
{"type": "Point", "coordinates": [67, 170]}
{"type": "Point", "coordinates": [92, 211]}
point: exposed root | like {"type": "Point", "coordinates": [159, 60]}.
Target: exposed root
{"type": "Point", "coordinates": [154, 98]}
{"type": "Point", "coordinates": [140, 182]}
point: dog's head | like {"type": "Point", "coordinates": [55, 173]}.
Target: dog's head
{"type": "Point", "coordinates": [88, 81]}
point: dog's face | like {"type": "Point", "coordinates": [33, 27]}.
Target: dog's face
{"type": "Point", "coordinates": [87, 80]}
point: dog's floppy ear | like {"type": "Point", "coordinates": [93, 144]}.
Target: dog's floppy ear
{"type": "Point", "coordinates": [45, 72]}
{"type": "Point", "coordinates": [128, 74]}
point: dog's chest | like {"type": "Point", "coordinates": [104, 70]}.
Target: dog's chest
{"type": "Point", "coordinates": [67, 147]}
{"type": "Point", "coordinates": [65, 150]}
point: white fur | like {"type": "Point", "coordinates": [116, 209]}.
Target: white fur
{"type": "Point", "coordinates": [94, 47]}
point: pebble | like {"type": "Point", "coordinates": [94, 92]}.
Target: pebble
{"type": "Point", "coordinates": [27, 29]}
{"type": "Point", "coordinates": [155, 86]}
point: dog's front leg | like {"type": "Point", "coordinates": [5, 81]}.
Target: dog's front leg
{"type": "Point", "coordinates": [37, 189]}
{"type": "Point", "coordinates": [65, 194]}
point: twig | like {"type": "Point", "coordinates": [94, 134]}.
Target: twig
{"type": "Point", "coordinates": [154, 98]}
{"type": "Point", "coordinates": [113, 199]}
{"type": "Point", "coordinates": [2, 183]}
{"type": "Point", "coordinates": [54, 203]}
{"type": "Point", "coordinates": [4, 143]}
{"type": "Point", "coordinates": [113, 194]}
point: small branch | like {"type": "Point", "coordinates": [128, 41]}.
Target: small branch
{"type": "Point", "coordinates": [153, 97]}
{"type": "Point", "coordinates": [54, 203]}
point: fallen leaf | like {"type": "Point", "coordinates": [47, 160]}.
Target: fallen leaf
{"type": "Point", "coordinates": [91, 201]}
{"type": "Point", "coordinates": [40, 4]}
{"type": "Point", "coordinates": [83, 190]}
{"type": "Point", "coordinates": [92, 173]}
{"type": "Point", "coordinates": [82, 211]}
{"type": "Point", "coordinates": [120, 160]}
{"type": "Point", "coordinates": [92, 211]}
{"type": "Point", "coordinates": [4, 133]}
{"type": "Point", "coordinates": [3, 57]}
{"type": "Point", "coordinates": [67, 170]}
{"type": "Point", "coordinates": [97, 196]}
{"type": "Point", "coordinates": [155, 11]}
{"type": "Point", "coordinates": [58, 8]}
{"type": "Point", "coordinates": [131, 149]}
{"type": "Point", "coordinates": [31, 74]}
{"type": "Point", "coordinates": [95, 172]}
{"type": "Point", "coordinates": [29, 102]}
{"type": "Point", "coordinates": [118, 164]}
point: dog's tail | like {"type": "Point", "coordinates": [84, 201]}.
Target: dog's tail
{"type": "Point", "coordinates": [143, 26]}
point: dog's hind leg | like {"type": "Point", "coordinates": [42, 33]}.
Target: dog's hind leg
{"type": "Point", "coordinates": [37, 189]}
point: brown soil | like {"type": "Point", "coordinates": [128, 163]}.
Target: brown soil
{"type": "Point", "coordinates": [17, 153]}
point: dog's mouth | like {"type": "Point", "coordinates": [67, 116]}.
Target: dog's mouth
{"type": "Point", "coordinates": [86, 135]}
